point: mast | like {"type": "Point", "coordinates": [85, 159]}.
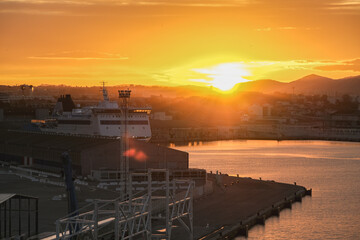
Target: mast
{"type": "Point", "coordinates": [105, 93]}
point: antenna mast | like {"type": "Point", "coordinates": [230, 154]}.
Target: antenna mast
{"type": "Point", "coordinates": [104, 91]}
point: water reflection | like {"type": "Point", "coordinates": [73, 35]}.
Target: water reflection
{"type": "Point", "coordinates": [330, 168]}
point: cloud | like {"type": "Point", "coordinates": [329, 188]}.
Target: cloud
{"type": "Point", "coordinates": [228, 74]}
{"type": "Point", "coordinates": [34, 12]}
{"type": "Point", "coordinates": [344, 7]}
{"type": "Point", "coordinates": [77, 58]}
{"type": "Point", "coordinates": [263, 29]}
{"type": "Point", "coordinates": [337, 6]}
{"type": "Point", "coordinates": [74, 2]}
{"type": "Point", "coordinates": [355, 4]}
{"type": "Point", "coordinates": [303, 64]}
{"type": "Point", "coordinates": [268, 29]}
{"type": "Point", "coordinates": [286, 28]}
{"type": "Point", "coordinates": [190, 3]}
{"type": "Point", "coordinates": [80, 55]}
{"type": "Point", "coordinates": [228, 3]}
{"type": "Point", "coordinates": [77, 7]}
{"type": "Point", "coordinates": [353, 65]}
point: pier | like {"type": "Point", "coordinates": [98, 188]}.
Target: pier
{"type": "Point", "coordinates": [229, 209]}
{"type": "Point", "coordinates": [237, 204]}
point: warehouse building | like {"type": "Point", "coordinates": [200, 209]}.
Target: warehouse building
{"type": "Point", "coordinates": [43, 151]}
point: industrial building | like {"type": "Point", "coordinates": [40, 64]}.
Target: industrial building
{"type": "Point", "coordinates": [18, 215]}
{"type": "Point", "coordinates": [88, 154]}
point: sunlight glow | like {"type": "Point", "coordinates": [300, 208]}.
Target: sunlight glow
{"type": "Point", "coordinates": [223, 76]}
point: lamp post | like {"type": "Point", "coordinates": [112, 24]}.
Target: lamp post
{"type": "Point", "coordinates": [124, 95]}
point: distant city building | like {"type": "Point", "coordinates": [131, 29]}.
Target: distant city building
{"type": "Point", "coordinates": [255, 110]}
{"type": "Point", "coordinates": [283, 103]}
{"type": "Point", "coordinates": [161, 116]}
{"type": "Point", "coordinates": [260, 111]}
{"type": "Point", "coordinates": [333, 99]}
{"type": "Point", "coordinates": [4, 97]}
{"type": "Point", "coordinates": [244, 118]}
{"type": "Point", "coordinates": [345, 120]}
{"type": "Point", "coordinates": [267, 110]}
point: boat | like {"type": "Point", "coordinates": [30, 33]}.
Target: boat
{"type": "Point", "coordinates": [106, 119]}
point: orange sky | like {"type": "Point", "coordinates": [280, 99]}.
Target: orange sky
{"type": "Point", "coordinates": [176, 42]}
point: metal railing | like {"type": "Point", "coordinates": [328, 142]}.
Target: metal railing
{"type": "Point", "coordinates": [122, 219]}
{"type": "Point", "coordinates": [125, 219]}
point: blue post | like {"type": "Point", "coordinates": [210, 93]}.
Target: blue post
{"type": "Point", "coordinates": [70, 188]}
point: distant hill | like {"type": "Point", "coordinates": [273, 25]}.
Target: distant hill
{"type": "Point", "coordinates": [313, 77]}
{"type": "Point", "coordinates": [263, 86]}
{"type": "Point", "coordinates": [311, 84]}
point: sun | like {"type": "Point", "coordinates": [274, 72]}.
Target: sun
{"type": "Point", "coordinates": [223, 76]}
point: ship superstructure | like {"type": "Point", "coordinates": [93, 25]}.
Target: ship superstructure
{"type": "Point", "coordinates": [105, 119]}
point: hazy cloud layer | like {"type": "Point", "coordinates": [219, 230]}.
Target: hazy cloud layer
{"type": "Point", "coordinates": [80, 55]}
{"type": "Point", "coordinates": [214, 3]}
{"type": "Point", "coordinates": [353, 65]}
{"type": "Point", "coordinates": [162, 41]}
{"type": "Point", "coordinates": [268, 29]}
{"type": "Point", "coordinates": [285, 4]}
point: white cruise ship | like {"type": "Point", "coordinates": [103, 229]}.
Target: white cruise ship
{"type": "Point", "coordinates": [105, 119]}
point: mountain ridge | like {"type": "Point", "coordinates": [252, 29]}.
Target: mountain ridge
{"type": "Point", "coordinates": [310, 84]}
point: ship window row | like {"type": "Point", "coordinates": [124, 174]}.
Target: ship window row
{"type": "Point", "coordinates": [116, 116]}
{"type": "Point", "coordinates": [78, 122]}
{"type": "Point", "coordinates": [107, 110]}
{"type": "Point", "coordinates": [118, 122]}
{"type": "Point", "coordinates": [110, 116]}
{"type": "Point", "coordinates": [138, 111]}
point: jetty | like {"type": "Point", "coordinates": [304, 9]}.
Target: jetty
{"type": "Point", "coordinates": [236, 204]}
{"type": "Point", "coordinates": [228, 207]}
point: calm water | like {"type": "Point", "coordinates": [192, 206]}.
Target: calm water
{"type": "Point", "coordinates": [331, 169]}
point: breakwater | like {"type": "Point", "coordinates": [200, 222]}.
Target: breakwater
{"type": "Point", "coordinates": [242, 228]}
{"type": "Point", "coordinates": [236, 204]}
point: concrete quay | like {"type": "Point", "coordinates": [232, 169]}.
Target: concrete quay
{"type": "Point", "coordinates": [231, 209]}
{"type": "Point", "coordinates": [237, 204]}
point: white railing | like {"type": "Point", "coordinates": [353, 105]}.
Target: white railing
{"type": "Point", "coordinates": [125, 219]}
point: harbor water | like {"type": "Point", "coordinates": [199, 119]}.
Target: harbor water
{"type": "Point", "coordinates": [331, 169]}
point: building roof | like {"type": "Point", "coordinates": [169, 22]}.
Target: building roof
{"type": "Point", "coordinates": [47, 146]}
{"type": "Point", "coordinates": [6, 196]}
{"type": "Point", "coordinates": [51, 141]}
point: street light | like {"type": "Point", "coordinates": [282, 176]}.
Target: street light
{"type": "Point", "coordinates": [124, 95]}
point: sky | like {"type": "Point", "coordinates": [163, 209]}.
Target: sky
{"type": "Point", "coordinates": [176, 42]}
